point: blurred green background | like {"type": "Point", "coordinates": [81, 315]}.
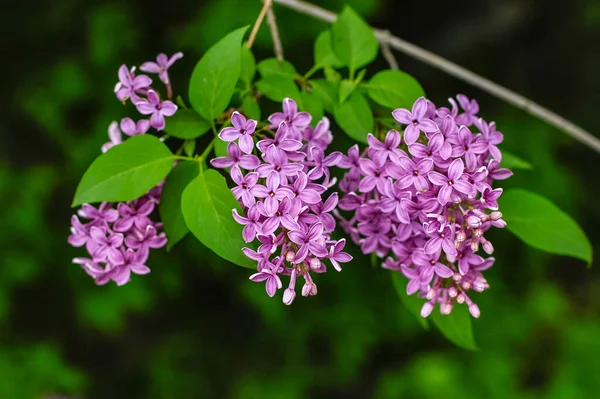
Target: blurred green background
{"type": "Point", "coordinates": [196, 327]}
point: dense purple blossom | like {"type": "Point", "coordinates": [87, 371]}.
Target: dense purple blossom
{"type": "Point", "coordinates": [424, 202]}
{"type": "Point", "coordinates": [284, 208]}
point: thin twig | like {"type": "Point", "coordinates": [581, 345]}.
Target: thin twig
{"type": "Point", "coordinates": [459, 72]}
{"type": "Point", "coordinates": [277, 47]}
{"type": "Point", "coordinates": [267, 4]}
{"type": "Point", "coordinates": [387, 53]}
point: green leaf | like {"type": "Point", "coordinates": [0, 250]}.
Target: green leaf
{"type": "Point", "coordinates": [278, 87]}
{"type": "Point", "coordinates": [456, 326]}
{"type": "Point", "coordinates": [412, 302]}
{"type": "Point", "coordinates": [324, 55]}
{"type": "Point", "coordinates": [170, 201]}
{"type": "Point", "coordinates": [394, 89]}
{"type": "Point", "coordinates": [187, 124]}
{"type": "Point", "coordinates": [272, 66]}
{"type": "Point", "coordinates": [313, 106]}
{"type": "Point", "coordinates": [512, 161]}
{"type": "Point", "coordinates": [355, 117]}
{"type": "Point", "coordinates": [215, 76]}
{"type": "Point", "coordinates": [346, 88]}
{"type": "Point", "coordinates": [248, 66]}
{"type": "Point", "coordinates": [189, 147]}
{"type": "Point", "coordinates": [541, 224]}
{"type": "Point", "coordinates": [332, 75]}
{"type": "Point", "coordinates": [206, 205]}
{"type": "Point", "coordinates": [251, 108]}
{"type": "Point", "coordinates": [326, 92]}
{"type": "Point", "coordinates": [354, 42]}
{"type": "Point", "coordinates": [126, 171]}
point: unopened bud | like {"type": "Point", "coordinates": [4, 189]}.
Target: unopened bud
{"type": "Point", "coordinates": [460, 299]}
{"type": "Point", "coordinates": [499, 223]}
{"type": "Point", "coordinates": [288, 296]}
{"type": "Point", "coordinates": [289, 256]}
{"type": "Point", "coordinates": [484, 217]}
{"type": "Point", "coordinates": [478, 233]}
{"type": "Point", "coordinates": [496, 215]}
{"type": "Point", "coordinates": [474, 246]}
{"type": "Point", "coordinates": [473, 221]}
{"type": "Point", "coordinates": [487, 247]}
{"type": "Point", "coordinates": [306, 288]}
{"type": "Point", "coordinates": [431, 294]}
{"type": "Point", "coordinates": [315, 263]}
{"type": "Point", "coordinates": [452, 292]}
{"type": "Point", "coordinates": [461, 235]}
{"type": "Point", "coordinates": [426, 309]}
{"type": "Point", "coordinates": [456, 277]}
{"type": "Point", "coordinates": [478, 286]}
{"type": "Point", "coordinates": [466, 285]}
{"type": "Point", "coordinates": [474, 310]}
{"type": "Point", "coordinates": [446, 308]}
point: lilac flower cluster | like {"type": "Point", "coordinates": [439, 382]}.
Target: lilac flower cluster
{"type": "Point", "coordinates": [427, 198]}
{"type": "Point", "coordinates": [282, 196]}
{"type": "Point", "coordinates": [118, 236]}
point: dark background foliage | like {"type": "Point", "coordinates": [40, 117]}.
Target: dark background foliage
{"type": "Point", "coordinates": [196, 327]}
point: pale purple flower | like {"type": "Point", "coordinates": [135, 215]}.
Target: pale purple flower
{"type": "Point", "coordinates": [273, 192]}
{"type": "Point", "coordinates": [430, 265]}
{"type": "Point", "coordinates": [336, 256]}
{"type": "Point", "coordinates": [132, 263]}
{"type": "Point", "coordinates": [114, 135]}
{"type": "Point", "coordinates": [375, 175]}
{"type": "Point", "coordinates": [496, 172]}
{"type": "Point", "coordinates": [321, 163]}
{"type": "Point", "coordinates": [143, 240]}
{"type": "Point", "coordinates": [320, 136]}
{"type": "Point", "coordinates": [282, 141]}
{"type": "Point", "coordinates": [236, 157]}
{"type": "Point", "coordinates": [470, 108]}
{"type": "Point", "coordinates": [246, 186]}
{"type": "Point", "coordinates": [278, 164]}
{"type": "Point", "coordinates": [283, 215]}
{"type": "Point", "coordinates": [468, 145]}
{"type": "Point", "coordinates": [129, 84]}
{"type": "Point", "coordinates": [105, 246]}
{"type": "Point", "coordinates": [161, 66]}
{"type": "Point", "coordinates": [491, 136]}
{"type": "Point", "coordinates": [100, 216]}
{"type": "Point", "coordinates": [451, 183]}
{"type": "Point", "coordinates": [350, 161]}
{"type": "Point", "coordinates": [133, 216]}
{"type": "Point", "coordinates": [304, 193]}
{"type": "Point", "coordinates": [414, 173]}
{"type": "Point", "coordinates": [432, 150]}
{"type": "Point", "coordinates": [156, 109]}
{"type": "Point", "coordinates": [489, 198]}
{"type": "Point", "coordinates": [441, 239]}
{"type": "Point", "coordinates": [273, 282]}
{"type": "Point", "coordinates": [242, 131]}
{"type": "Point", "coordinates": [296, 120]}
{"type": "Point", "coordinates": [388, 149]}
{"type": "Point", "coordinates": [322, 211]}
{"type": "Point", "coordinates": [416, 121]}
{"type": "Point", "coordinates": [466, 260]}
{"type": "Point", "coordinates": [131, 128]}
{"type": "Point", "coordinates": [251, 223]}
{"type": "Point", "coordinates": [79, 233]}
{"type": "Point", "coordinates": [308, 242]}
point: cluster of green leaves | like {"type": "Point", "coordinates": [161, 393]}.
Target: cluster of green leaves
{"type": "Point", "coordinates": [197, 199]}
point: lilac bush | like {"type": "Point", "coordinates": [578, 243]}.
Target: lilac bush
{"type": "Point", "coordinates": [281, 184]}
{"type": "Point", "coordinates": [424, 200]}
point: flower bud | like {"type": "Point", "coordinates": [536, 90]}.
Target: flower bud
{"type": "Point", "coordinates": [466, 285]}
{"type": "Point", "coordinates": [460, 299]}
{"type": "Point", "coordinates": [487, 246]}
{"type": "Point", "coordinates": [452, 292]}
{"type": "Point", "coordinates": [431, 294]}
{"type": "Point", "coordinates": [478, 285]}
{"type": "Point", "coordinates": [461, 235]}
{"type": "Point", "coordinates": [496, 215]}
{"type": "Point", "coordinates": [314, 263]}
{"type": "Point", "coordinates": [456, 277]}
{"type": "Point", "coordinates": [426, 309]}
{"type": "Point", "coordinates": [446, 308]}
{"type": "Point", "coordinates": [306, 288]}
{"type": "Point", "coordinates": [473, 221]}
{"type": "Point", "coordinates": [474, 246]}
{"type": "Point", "coordinates": [288, 296]}
{"type": "Point", "coordinates": [499, 223]}
{"type": "Point", "coordinates": [478, 233]}
{"type": "Point", "coordinates": [290, 255]}
{"type": "Point", "coordinates": [474, 310]}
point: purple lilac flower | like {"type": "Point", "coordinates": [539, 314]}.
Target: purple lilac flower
{"type": "Point", "coordinates": [131, 128]}
{"type": "Point", "coordinates": [282, 198]}
{"type": "Point", "coordinates": [156, 109]}
{"type": "Point", "coordinates": [416, 121]}
{"type": "Point", "coordinates": [130, 85]}
{"type": "Point", "coordinates": [236, 157]}
{"type": "Point", "coordinates": [242, 131]}
{"type": "Point", "coordinates": [114, 135]}
{"type": "Point", "coordinates": [421, 210]}
{"type": "Point", "coordinates": [161, 67]}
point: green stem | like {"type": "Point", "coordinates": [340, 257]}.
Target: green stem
{"type": "Point", "coordinates": [311, 71]}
